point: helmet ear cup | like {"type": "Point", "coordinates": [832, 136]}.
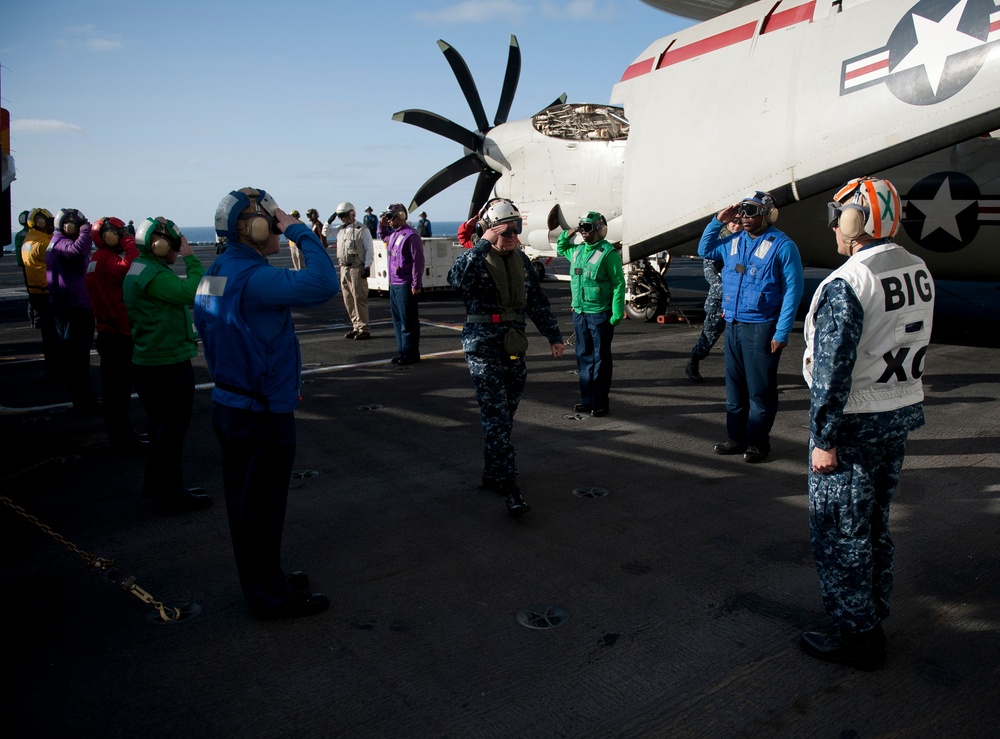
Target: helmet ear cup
{"type": "Point", "coordinates": [70, 229]}
{"type": "Point", "coordinates": [257, 228]}
{"type": "Point", "coordinates": [160, 246]}
{"type": "Point", "coordinates": [852, 221]}
{"type": "Point", "coordinates": [772, 216]}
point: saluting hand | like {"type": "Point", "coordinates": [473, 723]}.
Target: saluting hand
{"type": "Point", "coordinates": [283, 219]}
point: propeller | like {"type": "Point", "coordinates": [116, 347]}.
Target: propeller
{"type": "Point", "coordinates": [473, 141]}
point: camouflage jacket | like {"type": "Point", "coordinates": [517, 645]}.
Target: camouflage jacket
{"type": "Point", "coordinates": [479, 293]}
{"type": "Point", "coordinates": [840, 314]}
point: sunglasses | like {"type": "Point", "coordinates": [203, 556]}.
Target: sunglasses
{"type": "Point", "coordinates": [833, 211]}
{"type": "Point", "coordinates": [750, 209]}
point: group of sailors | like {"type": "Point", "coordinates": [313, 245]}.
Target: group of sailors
{"type": "Point", "coordinates": [866, 334]}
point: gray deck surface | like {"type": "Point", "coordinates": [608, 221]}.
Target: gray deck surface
{"type": "Point", "coordinates": [687, 585]}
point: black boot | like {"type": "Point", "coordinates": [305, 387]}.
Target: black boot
{"type": "Point", "coordinates": [691, 370]}
{"type": "Point", "coordinates": [863, 651]}
{"type": "Point", "coordinates": [516, 505]}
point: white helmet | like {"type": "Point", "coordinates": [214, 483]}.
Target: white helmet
{"type": "Point", "coordinates": [866, 205]}
{"type": "Point", "coordinates": [497, 211]}
{"type": "Point", "coordinates": [344, 208]}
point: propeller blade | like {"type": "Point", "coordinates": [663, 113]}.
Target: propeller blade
{"type": "Point", "coordinates": [561, 100]}
{"type": "Point", "coordinates": [468, 85]}
{"type": "Point", "coordinates": [442, 126]}
{"type": "Point", "coordinates": [481, 193]}
{"type": "Point", "coordinates": [454, 172]}
{"type": "Point", "coordinates": [510, 80]}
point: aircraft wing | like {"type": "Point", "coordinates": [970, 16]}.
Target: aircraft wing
{"type": "Point", "coordinates": [699, 10]}
{"type": "Point", "coordinates": [796, 97]}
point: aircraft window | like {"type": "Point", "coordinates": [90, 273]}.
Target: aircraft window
{"type": "Point", "coordinates": [583, 122]}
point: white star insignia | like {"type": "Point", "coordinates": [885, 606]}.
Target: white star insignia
{"type": "Point", "coordinates": [935, 43]}
{"type": "Point", "coordinates": [941, 211]}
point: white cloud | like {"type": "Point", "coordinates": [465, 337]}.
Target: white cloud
{"type": "Point", "coordinates": [84, 37]}
{"type": "Point", "coordinates": [42, 126]}
{"type": "Point", "coordinates": [102, 44]}
{"type": "Point", "coordinates": [578, 10]}
{"type": "Point", "coordinates": [476, 11]}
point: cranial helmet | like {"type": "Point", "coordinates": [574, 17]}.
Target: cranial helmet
{"type": "Point", "coordinates": [68, 221]}
{"type": "Point", "coordinates": [866, 205]}
{"type": "Point", "coordinates": [158, 236]}
{"type": "Point", "coordinates": [765, 206]}
{"type": "Point", "coordinates": [246, 215]}
{"type": "Point", "coordinates": [344, 208]}
{"type": "Point", "coordinates": [497, 211]}
{"type": "Point", "coordinates": [41, 219]}
{"type": "Point", "coordinates": [395, 209]}
{"type": "Point", "coordinates": [108, 232]}
{"type": "Point", "coordinates": [22, 218]}
{"type": "Point", "coordinates": [593, 222]}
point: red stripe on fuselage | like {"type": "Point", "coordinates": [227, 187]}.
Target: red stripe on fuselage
{"type": "Point", "coordinates": [787, 18]}
{"type": "Point", "coordinates": [784, 19]}
{"type": "Point", "coordinates": [712, 43]}
{"type": "Point", "coordinates": [637, 69]}
{"type": "Point", "coordinates": [860, 71]}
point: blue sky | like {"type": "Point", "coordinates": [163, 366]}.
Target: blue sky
{"type": "Point", "coordinates": [138, 109]}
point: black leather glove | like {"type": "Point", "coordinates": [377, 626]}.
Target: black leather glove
{"type": "Point", "coordinates": [368, 272]}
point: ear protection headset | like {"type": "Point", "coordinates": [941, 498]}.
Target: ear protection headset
{"type": "Point", "coordinates": [107, 231]}
{"type": "Point", "coordinates": [258, 224]}
{"type": "Point", "coordinates": [873, 208]}
{"type": "Point", "coordinates": [40, 220]}
{"type": "Point", "coordinates": [852, 221]}
{"type": "Point", "coordinates": [481, 225]}
{"type": "Point", "coordinates": [68, 222]}
{"type": "Point", "coordinates": [766, 203]}
{"type": "Point", "coordinates": [247, 214]}
{"type": "Point", "coordinates": [598, 221]}
{"type": "Point", "coordinates": [159, 236]}
{"type": "Point", "coordinates": [395, 210]}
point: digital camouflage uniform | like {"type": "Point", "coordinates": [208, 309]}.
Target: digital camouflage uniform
{"type": "Point", "coordinates": [499, 377]}
{"type": "Point", "coordinates": [714, 324]}
{"type": "Point", "coordinates": [849, 507]}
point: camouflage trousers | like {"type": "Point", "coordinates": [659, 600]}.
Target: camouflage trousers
{"type": "Point", "coordinates": [849, 531]}
{"type": "Point", "coordinates": [714, 324]}
{"type": "Point", "coordinates": [499, 384]}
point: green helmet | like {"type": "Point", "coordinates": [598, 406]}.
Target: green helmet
{"type": "Point", "coordinates": [593, 223]}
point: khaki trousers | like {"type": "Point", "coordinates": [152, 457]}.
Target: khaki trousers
{"type": "Point", "coordinates": [354, 286]}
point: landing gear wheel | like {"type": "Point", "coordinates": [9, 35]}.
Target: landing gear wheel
{"type": "Point", "coordinates": [645, 308]}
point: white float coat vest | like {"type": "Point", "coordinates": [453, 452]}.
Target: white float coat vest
{"type": "Point", "coordinates": [896, 291]}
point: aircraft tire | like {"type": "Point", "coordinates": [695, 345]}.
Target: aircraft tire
{"type": "Point", "coordinates": [645, 309]}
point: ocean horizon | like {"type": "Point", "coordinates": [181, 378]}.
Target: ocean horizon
{"type": "Point", "coordinates": [206, 234]}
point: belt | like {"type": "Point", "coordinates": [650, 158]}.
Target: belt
{"type": "Point", "coordinates": [496, 317]}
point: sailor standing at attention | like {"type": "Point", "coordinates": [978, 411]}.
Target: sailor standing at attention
{"type": "Point", "coordinates": [597, 285]}
{"type": "Point", "coordinates": [761, 288]}
{"type": "Point", "coordinates": [866, 337]}
{"type": "Point", "coordinates": [243, 311]}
